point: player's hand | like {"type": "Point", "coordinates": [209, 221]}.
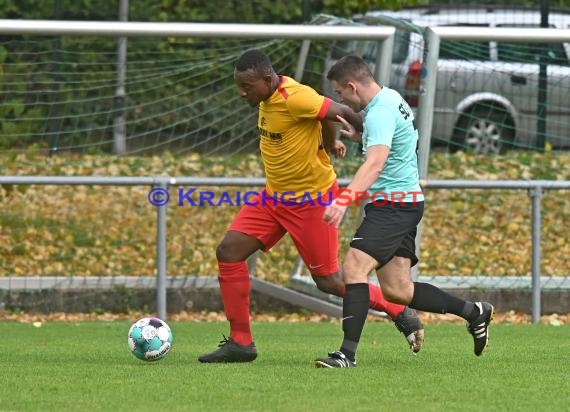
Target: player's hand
{"type": "Point", "coordinates": [334, 213]}
{"type": "Point", "coordinates": [348, 130]}
{"type": "Point", "coordinates": [338, 150]}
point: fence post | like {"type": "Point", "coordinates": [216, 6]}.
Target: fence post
{"type": "Point", "coordinates": [252, 263]}
{"type": "Point", "coordinates": [535, 194]}
{"type": "Point", "coordinates": [161, 253]}
{"type": "Point", "coordinates": [424, 117]}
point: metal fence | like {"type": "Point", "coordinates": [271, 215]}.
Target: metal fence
{"type": "Point", "coordinates": [535, 189]}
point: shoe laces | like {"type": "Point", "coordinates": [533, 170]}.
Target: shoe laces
{"type": "Point", "coordinates": [341, 359]}
{"type": "Point", "coordinates": [223, 341]}
{"type": "Point", "coordinates": [337, 355]}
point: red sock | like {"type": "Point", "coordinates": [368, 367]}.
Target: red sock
{"type": "Point", "coordinates": [378, 302]}
{"type": "Point", "coordinates": [234, 287]}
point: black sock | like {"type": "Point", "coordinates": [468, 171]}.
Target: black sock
{"type": "Point", "coordinates": [429, 298]}
{"type": "Point", "coordinates": [354, 311]}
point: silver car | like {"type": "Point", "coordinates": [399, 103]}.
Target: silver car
{"type": "Point", "coordinates": [487, 93]}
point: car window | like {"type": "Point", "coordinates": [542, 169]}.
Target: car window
{"type": "Point", "coordinates": [465, 50]}
{"type": "Point", "coordinates": [530, 53]}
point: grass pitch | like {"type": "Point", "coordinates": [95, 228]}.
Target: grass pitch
{"type": "Point", "coordinates": [87, 367]}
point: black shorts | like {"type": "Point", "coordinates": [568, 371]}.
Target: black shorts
{"type": "Point", "coordinates": [388, 231]}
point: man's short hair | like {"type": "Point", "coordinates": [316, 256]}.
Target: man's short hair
{"type": "Point", "coordinates": [350, 68]}
{"type": "Point", "coordinates": [255, 60]}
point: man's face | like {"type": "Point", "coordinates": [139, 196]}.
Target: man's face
{"type": "Point", "coordinates": [347, 94]}
{"type": "Point", "coordinates": [252, 87]}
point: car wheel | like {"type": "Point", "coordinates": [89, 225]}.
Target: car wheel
{"type": "Point", "coordinates": [483, 131]}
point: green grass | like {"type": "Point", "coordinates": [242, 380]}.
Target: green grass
{"type": "Point", "coordinates": [87, 367]}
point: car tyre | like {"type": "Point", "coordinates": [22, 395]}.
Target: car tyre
{"type": "Point", "coordinates": [487, 131]}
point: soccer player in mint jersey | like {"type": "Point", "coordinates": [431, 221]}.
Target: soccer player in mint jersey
{"type": "Point", "coordinates": [296, 129]}
{"type": "Point", "coordinates": [385, 240]}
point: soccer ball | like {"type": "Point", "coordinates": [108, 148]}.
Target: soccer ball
{"type": "Point", "coordinates": [150, 339]}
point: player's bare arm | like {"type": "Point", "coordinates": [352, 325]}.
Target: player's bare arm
{"type": "Point", "coordinates": [370, 170]}
{"type": "Point", "coordinates": [366, 175]}
{"type": "Point", "coordinates": [338, 109]}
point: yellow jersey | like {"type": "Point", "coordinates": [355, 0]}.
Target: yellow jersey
{"type": "Point", "coordinates": [291, 141]}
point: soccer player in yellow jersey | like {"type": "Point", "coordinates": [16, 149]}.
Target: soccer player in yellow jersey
{"type": "Point", "coordinates": [297, 128]}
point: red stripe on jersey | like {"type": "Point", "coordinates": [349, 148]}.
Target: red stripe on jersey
{"type": "Point", "coordinates": [281, 89]}
{"type": "Point", "coordinates": [324, 109]}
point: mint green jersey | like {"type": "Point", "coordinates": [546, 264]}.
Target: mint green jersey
{"type": "Point", "coordinates": [389, 121]}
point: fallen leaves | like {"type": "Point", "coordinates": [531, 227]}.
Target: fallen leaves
{"type": "Point", "coordinates": [106, 231]}
{"type": "Point", "coordinates": [38, 319]}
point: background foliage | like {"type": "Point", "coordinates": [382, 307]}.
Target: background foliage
{"type": "Point", "coordinates": [255, 11]}
{"type": "Point", "coordinates": [38, 73]}
{"type": "Point", "coordinates": [85, 230]}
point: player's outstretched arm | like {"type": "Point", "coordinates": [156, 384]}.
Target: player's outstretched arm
{"type": "Point", "coordinates": [339, 109]}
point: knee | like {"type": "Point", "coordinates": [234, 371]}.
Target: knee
{"type": "Point", "coordinates": [356, 267]}
{"type": "Point", "coordinates": [332, 284]}
{"type": "Point", "coordinates": [225, 251]}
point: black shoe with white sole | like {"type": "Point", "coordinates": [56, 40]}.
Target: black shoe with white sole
{"type": "Point", "coordinates": [479, 327]}
{"type": "Point", "coordinates": [335, 360]}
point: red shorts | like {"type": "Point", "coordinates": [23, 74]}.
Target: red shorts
{"type": "Point", "coordinates": [316, 240]}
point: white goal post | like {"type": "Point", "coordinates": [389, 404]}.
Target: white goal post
{"type": "Point", "coordinates": [383, 34]}
{"type": "Point", "coordinates": [331, 30]}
